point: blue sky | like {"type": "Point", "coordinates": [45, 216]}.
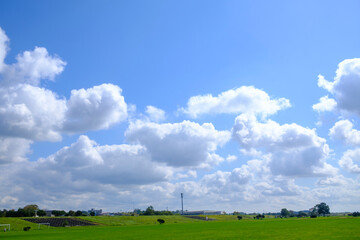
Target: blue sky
{"type": "Point", "coordinates": [110, 104]}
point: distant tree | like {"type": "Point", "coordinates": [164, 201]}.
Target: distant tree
{"type": "Point", "coordinates": [302, 214]}
{"type": "Point", "coordinates": [92, 213]}
{"type": "Point", "coordinates": [149, 211]}
{"type": "Point", "coordinates": [3, 213]}
{"type": "Point", "coordinates": [22, 213]}
{"type": "Point", "coordinates": [78, 213]}
{"type": "Point", "coordinates": [137, 211]}
{"type": "Point", "coordinates": [12, 213]}
{"type": "Point", "coordinates": [355, 214]}
{"type": "Point", "coordinates": [284, 212]}
{"type": "Point", "coordinates": [58, 213]}
{"type": "Point", "coordinates": [41, 213]}
{"type": "Point", "coordinates": [29, 210]}
{"type": "Point", "coordinates": [321, 209]}
{"type": "Point", "coordinates": [31, 207]}
{"type": "Point", "coordinates": [71, 213]}
{"type": "Point", "coordinates": [291, 213]}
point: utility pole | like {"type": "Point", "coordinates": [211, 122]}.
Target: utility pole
{"type": "Point", "coordinates": [182, 204]}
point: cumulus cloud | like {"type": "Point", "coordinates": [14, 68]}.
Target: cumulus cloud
{"type": "Point", "coordinates": [34, 113]}
{"type": "Point", "coordinates": [95, 108]}
{"type": "Point", "coordinates": [326, 104]}
{"type": "Point", "coordinates": [13, 149]}
{"type": "Point", "coordinates": [231, 158]}
{"type": "Point", "coordinates": [3, 48]}
{"type": "Point", "coordinates": [246, 99]}
{"type": "Point", "coordinates": [155, 114]}
{"type": "Point", "coordinates": [30, 112]}
{"type": "Point", "coordinates": [83, 170]}
{"type": "Point", "coordinates": [220, 180]}
{"type": "Point", "coordinates": [33, 66]}
{"type": "Point", "coordinates": [343, 130]}
{"type": "Point", "coordinates": [337, 180]}
{"type": "Point", "coordinates": [349, 161]}
{"type": "Point", "coordinates": [325, 84]}
{"type": "Point", "coordinates": [114, 164]}
{"type": "Point", "coordinates": [179, 144]}
{"type": "Point", "coordinates": [293, 150]}
{"type": "Point", "coordinates": [346, 85]}
{"type": "Point", "coordinates": [218, 186]}
{"type": "Point", "coordinates": [279, 187]}
{"type": "Point", "coordinates": [39, 114]}
{"type": "Point", "coordinates": [245, 186]}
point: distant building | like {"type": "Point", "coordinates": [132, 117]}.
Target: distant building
{"type": "Point", "coordinates": [203, 212]}
{"type": "Point", "coordinates": [49, 213]}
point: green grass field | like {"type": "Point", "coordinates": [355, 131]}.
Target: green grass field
{"type": "Point", "coordinates": [225, 227]}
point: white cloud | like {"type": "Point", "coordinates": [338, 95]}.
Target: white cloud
{"type": "Point", "coordinates": [189, 174]}
{"type": "Point", "coordinates": [3, 48]}
{"type": "Point", "coordinates": [79, 155]}
{"type": "Point", "coordinates": [13, 149]}
{"type": "Point", "coordinates": [95, 108]}
{"type": "Point", "coordinates": [30, 112]}
{"type": "Point", "coordinates": [179, 144]}
{"type": "Point", "coordinates": [326, 104]}
{"type": "Point", "coordinates": [246, 99]}
{"type": "Point", "coordinates": [231, 158]}
{"type": "Point", "coordinates": [349, 159]}
{"type": "Point", "coordinates": [34, 113]}
{"type": "Point", "coordinates": [8, 200]}
{"type": "Point", "coordinates": [31, 67]}
{"type": "Point", "coordinates": [84, 171]}
{"type": "Point", "coordinates": [343, 130]}
{"type": "Point", "coordinates": [114, 164]}
{"type": "Point", "coordinates": [337, 180]}
{"type": "Point", "coordinates": [323, 83]}
{"type": "Point", "coordinates": [293, 150]}
{"type": "Point", "coordinates": [38, 114]}
{"type": "Point", "coordinates": [346, 85]}
{"type": "Point", "coordinates": [155, 114]}
{"type": "Point", "coordinates": [279, 187]}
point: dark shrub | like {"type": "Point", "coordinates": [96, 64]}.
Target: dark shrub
{"type": "Point", "coordinates": [355, 214]}
{"type": "Point", "coordinates": [239, 217]}
{"type": "Point", "coordinates": [161, 221]}
{"type": "Point", "coordinates": [313, 215]}
{"type": "Point", "coordinates": [259, 216]}
{"type": "Point", "coordinates": [27, 228]}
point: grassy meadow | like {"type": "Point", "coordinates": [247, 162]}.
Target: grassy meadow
{"type": "Point", "coordinates": [178, 227]}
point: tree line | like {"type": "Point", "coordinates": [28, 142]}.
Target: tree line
{"type": "Point", "coordinates": [33, 210]}
{"type": "Point", "coordinates": [151, 211]}
{"type": "Point", "coordinates": [321, 209]}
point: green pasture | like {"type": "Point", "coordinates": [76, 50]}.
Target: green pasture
{"type": "Point", "coordinates": [306, 228]}
{"type": "Point", "coordinates": [138, 220]}
{"type": "Point", "coordinates": [18, 224]}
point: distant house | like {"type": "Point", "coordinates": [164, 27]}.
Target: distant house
{"type": "Point", "coordinates": [203, 212]}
